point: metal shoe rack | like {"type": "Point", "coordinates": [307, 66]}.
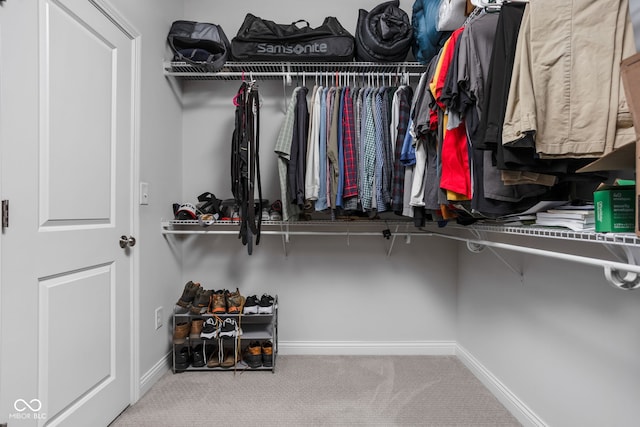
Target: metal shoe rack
{"type": "Point", "coordinates": [254, 327]}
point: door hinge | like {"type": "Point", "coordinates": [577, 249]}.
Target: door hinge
{"type": "Point", "coordinates": [5, 215]}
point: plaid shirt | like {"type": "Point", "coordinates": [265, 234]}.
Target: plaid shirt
{"type": "Point", "coordinates": [349, 150]}
{"type": "Point", "coordinates": [369, 151]}
{"type": "Point", "coordinates": [379, 161]}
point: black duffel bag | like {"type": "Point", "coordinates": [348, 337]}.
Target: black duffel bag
{"type": "Point", "coordinates": [262, 40]}
{"type": "Point", "coordinates": [199, 43]}
{"type": "Point", "coordinates": [384, 34]}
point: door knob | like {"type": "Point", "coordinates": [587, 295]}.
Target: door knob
{"type": "Point", "coordinates": [127, 241]}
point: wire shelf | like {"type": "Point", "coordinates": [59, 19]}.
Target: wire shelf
{"type": "Point", "coordinates": [627, 239]}
{"type": "Point", "coordinates": [278, 70]}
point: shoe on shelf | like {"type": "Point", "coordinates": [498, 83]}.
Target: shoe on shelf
{"type": "Point", "coordinates": [218, 304]}
{"type": "Point", "coordinates": [181, 332]}
{"type": "Point", "coordinates": [265, 215]}
{"type": "Point", "coordinates": [267, 354]}
{"type": "Point", "coordinates": [197, 358]}
{"type": "Point", "coordinates": [201, 301]}
{"type": "Point", "coordinates": [181, 358]}
{"type": "Point", "coordinates": [229, 329]}
{"type": "Point", "coordinates": [253, 355]}
{"type": "Point", "coordinates": [275, 213]}
{"type": "Point", "coordinates": [196, 328]}
{"type": "Point", "coordinates": [188, 294]}
{"type": "Point", "coordinates": [229, 360]}
{"type": "Point", "coordinates": [265, 306]}
{"type": "Point", "coordinates": [210, 329]}
{"type": "Point", "coordinates": [235, 301]}
{"type": "Point", "coordinates": [251, 305]}
{"type": "Point", "coordinates": [212, 353]}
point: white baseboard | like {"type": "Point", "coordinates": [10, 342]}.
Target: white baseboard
{"type": "Point", "coordinates": [154, 374]}
{"type": "Point", "coordinates": [363, 348]}
{"type": "Point", "coordinates": [516, 406]}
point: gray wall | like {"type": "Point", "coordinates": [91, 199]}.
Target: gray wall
{"type": "Point", "coordinates": [562, 339]}
{"type": "Point", "coordinates": [331, 290]}
{"type": "Point", "coordinates": [160, 121]}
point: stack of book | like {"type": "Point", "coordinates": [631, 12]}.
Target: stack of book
{"type": "Point", "coordinates": [577, 218]}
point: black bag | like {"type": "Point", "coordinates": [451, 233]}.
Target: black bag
{"type": "Point", "coordinates": [262, 40]}
{"type": "Point", "coordinates": [199, 44]}
{"type": "Point", "coordinates": [384, 34]}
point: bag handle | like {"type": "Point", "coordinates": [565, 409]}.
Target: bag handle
{"type": "Point", "coordinates": [299, 21]}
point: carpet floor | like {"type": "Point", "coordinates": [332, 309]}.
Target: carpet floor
{"type": "Point", "coordinates": [324, 391]}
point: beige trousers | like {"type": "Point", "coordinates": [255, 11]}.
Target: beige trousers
{"type": "Point", "coordinates": [566, 87]}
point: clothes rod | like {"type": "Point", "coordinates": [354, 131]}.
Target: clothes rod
{"type": "Point", "coordinates": [610, 267]}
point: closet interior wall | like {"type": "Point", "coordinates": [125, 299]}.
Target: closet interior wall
{"type": "Point", "coordinates": [337, 293]}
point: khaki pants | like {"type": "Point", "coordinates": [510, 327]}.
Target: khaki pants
{"type": "Point", "coordinates": [566, 87]}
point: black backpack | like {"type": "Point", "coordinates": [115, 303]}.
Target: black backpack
{"type": "Point", "coordinates": [199, 44]}
{"type": "Point", "coordinates": [383, 34]}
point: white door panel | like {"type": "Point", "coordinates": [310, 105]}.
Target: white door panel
{"type": "Point", "coordinates": [77, 178]}
{"type": "Point", "coordinates": [65, 279]}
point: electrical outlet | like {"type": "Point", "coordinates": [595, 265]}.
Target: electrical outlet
{"type": "Point", "coordinates": [144, 193]}
{"type": "Point", "coordinates": [158, 317]}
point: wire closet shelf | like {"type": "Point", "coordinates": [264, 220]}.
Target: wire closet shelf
{"type": "Point", "coordinates": [278, 70]}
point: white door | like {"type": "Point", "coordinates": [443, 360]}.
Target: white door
{"type": "Point", "coordinates": [66, 140]}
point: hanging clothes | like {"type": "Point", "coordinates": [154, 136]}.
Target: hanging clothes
{"type": "Point", "coordinates": [283, 151]}
{"type": "Point", "coordinates": [568, 55]}
{"type": "Point", "coordinates": [312, 175]}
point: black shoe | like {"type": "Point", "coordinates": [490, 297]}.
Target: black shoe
{"type": "Point", "coordinates": [198, 356]}
{"type": "Point", "coordinates": [267, 354]}
{"type": "Point", "coordinates": [265, 306]}
{"type": "Point", "coordinates": [181, 358]}
{"type": "Point", "coordinates": [251, 305]}
{"type": "Point", "coordinates": [210, 329]}
{"type": "Point", "coordinates": [229, 329]}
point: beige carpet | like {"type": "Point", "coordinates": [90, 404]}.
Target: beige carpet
{"type": "Point", "coordinates": [324, 391]}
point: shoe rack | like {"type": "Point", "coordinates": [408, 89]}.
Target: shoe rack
{"type": "Point", "coordinates": [227, 346]}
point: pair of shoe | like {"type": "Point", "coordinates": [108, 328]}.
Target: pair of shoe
{"type": "Point", "coordinates": [221, 359]}
{"type": "Point", "coordinates": [185, 356]}
{"type": "Point", "coordinates": [225, 302]}
{"type": "Point", "coordinates": [264, 305]}
{"type": "Point", "coordinates": [259, 354]}
{"type": "Point", "coordinates": [191, 329]}
{"type": "Point", "coordinates": [189, 294]}
{"type": "Point", "coordinates": [197, 299]}
{"type": "Point", "coordinates": [214, 327]}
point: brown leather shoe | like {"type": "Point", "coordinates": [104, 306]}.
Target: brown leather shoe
{"type": "Point", "coordinates": [218, 303]}
{"type": "Point", "coordinates": [235, 302]}
{"type": "Point", "coordinates": [181, 332]}
{"type": "Point", "coordinates": [201, 301]}
{"type": "Point", "coordinates": [188, 294]}
{"type": "Point", "coordinates": [228, 360]}
{"type": "Point", "coordinates": [213, 355]}
{"type": "Point", "coordinates": [196, 328]}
